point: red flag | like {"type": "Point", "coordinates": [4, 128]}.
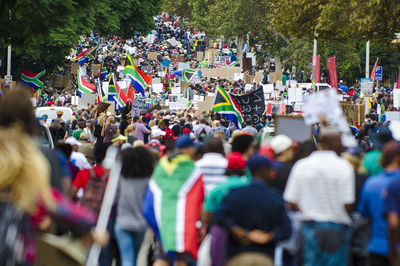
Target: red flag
{"type": "Point", "coordinates": [317, 69]}
{"type": "Point", "coordinates": [269, 108]}
{"type": "Point", "coordinates": [398, 81]}
{"type": "Point", "coordinates": [131, 94]}
{"type": "Point", "coordinates": [332, 72]}
{"type": "Point", "coordinates": [373, 73]}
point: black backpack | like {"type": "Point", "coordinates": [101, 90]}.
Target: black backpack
{"type": "Point", "coordinates": [202, 135]}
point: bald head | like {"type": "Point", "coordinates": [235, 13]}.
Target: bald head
{"type": "Point", "coordinates": [330, 140]}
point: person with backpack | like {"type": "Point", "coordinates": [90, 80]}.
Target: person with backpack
{"type": "Point", "coordinates": [202, 130]}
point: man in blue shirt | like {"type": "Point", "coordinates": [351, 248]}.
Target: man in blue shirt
{"type": "Point", "coordinates": [255, 217]}
{"type": "Point", "coordinates": [372, 203]}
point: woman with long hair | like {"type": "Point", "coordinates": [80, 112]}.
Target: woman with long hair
{"type": "Point", "coordinates": [109, 130]}
{"type": "Point", "coordinates": [89, 129]}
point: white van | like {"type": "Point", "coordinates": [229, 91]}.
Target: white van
{"type": "Point", "coordinates": [318, 86]}
{"type": "Point", "coordinates": [51, 112]}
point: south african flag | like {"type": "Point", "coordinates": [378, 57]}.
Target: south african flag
{"type": "Point", "coordinates": [34, 80]}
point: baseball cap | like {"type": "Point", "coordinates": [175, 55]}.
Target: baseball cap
{"type": "Point", "coordinates": [167, 117]}
{"type": "Point", "coordinates": [118, 137]}
{"type": "Point", "coordinates": [236, 161]}
{"type": "Point", "coordinates": [72, 141]}
{"type": "Point", "coordinates": [186, 131]}
{"type": "Point", "coordinates": [84, 136]}
{"type": "Point", "coordinates": [280, 143]}
{"type": "Point", "coordinates": [183, 141]}
{"type": "Point", "coordinates": [155, 133]}
{"type": "Point", "coordinates": [257, 162]}
{"type": "Point", "coordinates": [148, 116]}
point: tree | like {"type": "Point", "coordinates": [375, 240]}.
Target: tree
{"type": "Point", "coordinates": [181, 8]}
{"type": "Point", "coordinates": [349, 19]}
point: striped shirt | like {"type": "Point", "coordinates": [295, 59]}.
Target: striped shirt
{"type": "Point", "coordinates": [212, 166]}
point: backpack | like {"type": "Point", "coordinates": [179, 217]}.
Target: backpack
{"type": "Point", "coordinates": [94, 191]}
{"type": "Point", "coordinates": [202, 134]}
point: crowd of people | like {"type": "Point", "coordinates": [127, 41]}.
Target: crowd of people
{"type": "Point", "coordinates": [194, 189]}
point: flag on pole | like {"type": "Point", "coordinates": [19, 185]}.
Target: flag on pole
{"type": "Point", "coordinates": [373, 73]}
{"type": "Point", "coordinates": [34, 80]}
{"type": "Point", "coordinates": [131, 94]}
{"type": "Point", "coordinates": [101, 95]}
{"type": "Point", "coordinates": [103, 71]}
{"type": "Point", "coordinates": [130, 70]}
{"type": "Point", "coordinates": [84, 86]}
{"type": "Point", "coordinates": [226, 105]}
{"type": "Point", "coordinates": [332, 72]}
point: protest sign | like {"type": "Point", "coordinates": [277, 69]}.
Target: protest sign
{"type": "Point", "coordinates": [74, 100]}
{"type": "Point", "coordinates": [248, 87]}
{"type": "Point", "coordinates": [238, 76]}
{"type": "Point", "coordinates": [396, 98]}
{"type": "Point", "coordinates": [102, 107]}
{"type": "Point", "coordinates": [252, 105]}
{"type": "Point", "coordinates": [392, 115]}
{"type": "Point", "coordinates": [182, 65]}
{"type": "Point", "coordinates": [152, 56]}
{"type": "Point", "coordinates": [176, 90]}
{"type": "Point", "coordinates": [206, 105]}
{"type": "Point", "coordinates": [353, 113]}
{"type": "Point", "coordinates": [268, 88]}
{"type": "Point", "coordinates": [86, 99]}
{"type": "Point", "coordinates": [157, 88]}
{"type": "Point", "coordinates": [325, 104]}
{"type": "Point", "coordinates": [293, 127]}
{"type": "Point", "coordinates": [366, 86]}
{"type": "Point", "coordinates": [74, 68]}
{"type": "Point", "coordinates": [200, 56]}
{"type": "Point", "coordinates": [137, 106]}
{"type": "Point", "coordinates": [95, 69]}
{"type": "Point", "coordinates": [259, 76]}
{"type": "Point", "coordinates": [59, 81]}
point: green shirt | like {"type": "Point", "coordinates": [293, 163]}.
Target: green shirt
{"type": "Point", "coordinates": [213, 200]}
{"type": "Point", "coordinates": [76, 134]}
{"type": "Point", "coordinates": [371, 162]}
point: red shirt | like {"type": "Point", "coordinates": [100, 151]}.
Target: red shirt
{"type": "Point", "coordinates": [83, 176]}
{"type": "Point", "coordinates": [168, 133]}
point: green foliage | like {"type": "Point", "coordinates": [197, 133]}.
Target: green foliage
{"type": "Point", "coordinates": [42, 32]}
{"type": "Point", "coordinates": [180, 8]}
{"type": "Point", "coordinates": [350, 19]}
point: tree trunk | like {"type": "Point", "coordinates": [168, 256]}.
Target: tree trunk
{"type": "Point", "coordinates": [278, 63]}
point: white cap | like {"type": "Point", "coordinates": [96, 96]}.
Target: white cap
{"type": "Point", "coordinates": [155, 133]}
{"type": "Point", "coordinates": [72, 141]}
{"type": "Point", "coordinates": [280, 143]}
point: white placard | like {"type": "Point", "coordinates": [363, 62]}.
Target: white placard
{"type": "Point", "coordinates": [396, 98]}
{"type": "Point", "coordinates": [182, 65]}
{"type": "Point", "coordinates": [291, 95]}
{"type": "Point", "coordinates": [268, 88]}
{"type": "Point", "coordinates": [238, 76]}
{"type": "Point", "coordinates": [280, 87]}
{"type": "Point", "coordinates": [157, 88]}
{"type": "Point", "coordinates": [33, 102]}
{"type": "Point", "coordinates": [248, 87]}
{"type": "Point", "coordinates": [120, 68]}
{"type": "Point", "coordinates": [105, 87]}
{"type": "Point", "coordinates": [82, 71]}
{"type": "Point", "coordinates": [176, 90]}
{"type": "Point", "coordinates": [201, 99]}
{"type": "Point", "coordinates": [211, 94]}
{"type": "Point", "coordinates": [74, 100]}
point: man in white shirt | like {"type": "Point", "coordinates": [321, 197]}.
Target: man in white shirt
{"type": "Point", "coordinates": [213, 164]}
{"type": "Point", "coordinates": [322, 188]}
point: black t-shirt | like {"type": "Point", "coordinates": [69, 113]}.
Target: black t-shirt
{"type": "Point", "coordinates": [282, 175]}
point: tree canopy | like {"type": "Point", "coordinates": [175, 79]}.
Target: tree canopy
{"type": "Point", "coordinates": [42, 32]}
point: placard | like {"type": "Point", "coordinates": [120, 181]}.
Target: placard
{"type": "Point", "coordinates": [206, 105]}
{"type": "Point", "coordinates": [268, 88]}
{"type": "Point", "coordinates": [74, 68]}
{"type": "Point", "coordinates": [137, 106]}
{"type": "Point", "coordinates": [396, 98]}
{"type": "Point", "coordinates": [152, 56]}
{"type": "Point", "coordinates": [252, 105]}
{"type": "Point", "coordinates": [157, 88]}
{"type": "Point", "coordinates": [293, 127]}
{"type": "Point", "coordinates": [95, 69]}
{"type": "Point", "coordinates": [176, 90]}
{"type": "Point", "coordinates": [353, 113]}
{"type": "Point", "coordinates": [238, 76]}
{"type": "Point", "coordinates": [86, 99]}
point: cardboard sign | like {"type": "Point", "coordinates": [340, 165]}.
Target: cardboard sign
{"type": "Point", "coordinates": [95, 69]}
{"type": "Point", "coordinates": [86, 99]}
{"type": "Point", "coordinates": [152, 56]}
{"type": "Point", "coordinates": [74, 68]}
{"type": "Point", "coordinates": [238, 76]}
{"type": "Point", "coordinates": [200, 56]}
{"type": "Point", "coordinates": [206, 105]}
{"type": "Point", "coordinates": [252, 105]}
{"type": "Point", "coordinates": [353, 113]}
{"type": "Point", "coordinates": [102, 107]}
{"type": "Point", "coordinates": [59, 81]}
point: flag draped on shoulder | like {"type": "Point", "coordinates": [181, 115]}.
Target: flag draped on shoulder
{"type": "Point", "coordinates": [85, 86]}
{"type": "Point", "coordinates": [172, 204]}
{"type": "Point", "coordinates": [226, 105]}
{"type": "Point", "coordinates": [130, 70]}
{"type": "Point", "coordinates": [34, 80]}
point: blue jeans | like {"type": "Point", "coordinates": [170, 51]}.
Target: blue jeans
{"type": "Point", "coordinates": [129, 243]}
{"type": "Point", "coordinates": [325, 243]}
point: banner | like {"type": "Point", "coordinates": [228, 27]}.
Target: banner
{"type": "Point", "coordinates": [137, 106]}
{"type": "Point", "coordinates": [252, 105]}
{"type": "Point", "coordinates": [373, 74]}
{"type": "Point", "coordinates": [332, 72]}
{"type": "Point", "coordinates": [398, 81]}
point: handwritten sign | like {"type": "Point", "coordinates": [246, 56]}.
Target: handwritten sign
{"type": "Point", "coordinates": [252, 105]}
